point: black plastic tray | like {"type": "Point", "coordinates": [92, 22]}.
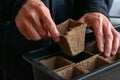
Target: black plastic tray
{"type": "Point", "coordinates": [108, 72]}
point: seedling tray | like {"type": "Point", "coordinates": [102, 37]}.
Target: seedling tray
{"type": "Point", "coordinates": [50, 63]}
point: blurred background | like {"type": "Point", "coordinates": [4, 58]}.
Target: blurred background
{"type": "Point", "coordinates": [115, 12]}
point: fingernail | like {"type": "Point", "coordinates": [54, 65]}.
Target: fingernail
{"type": "Point", "coordinates": [114, 53]}
{"type": "Point", "coordinates": [57, 39]}
{"type": "Point", "coordinates": [101, 50]}
{"type": "Point", "coordinates": [107, 55]}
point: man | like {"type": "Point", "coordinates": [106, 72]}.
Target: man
{"type": "Point", "coordinates": [36, 20]}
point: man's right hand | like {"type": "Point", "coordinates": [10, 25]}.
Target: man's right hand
{"type": "Point", "coordinates": [34, 21]}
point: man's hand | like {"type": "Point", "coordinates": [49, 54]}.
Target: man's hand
{"type": "Point", "coordinates": [106, 36]}
{"type": "Point", "coordinates": [34, 21]}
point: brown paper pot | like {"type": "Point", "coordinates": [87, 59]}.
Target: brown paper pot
{"type": "Point", "coordinates": [54, 63]}
{"type": "Point", "coordinates": [92, 63]}
{"type": "Point", "coordinates": [70, 73]}
{"type": "Point", "coordinates": [113, 58]}
{"type": "Point", "coordinates": [72, 37]}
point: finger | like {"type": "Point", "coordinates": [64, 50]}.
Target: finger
{"type": "Point", "coordinates": [24, 32]}
{"type": "Point", "coordinates": [37, 24]}
{"type": "Point", "coordinates": [115, 45]}
{"type": "Point", "coordinates": [51, 27]}
{"type": "Point", "coordinates": [108, 38]}
{"type": "Point", "coordinates": [31, 31]}
{"type": "Point", "coordinates": [22, 29]}
{"type": "Point", "coordinates": [98, 31]}
{"type": "Point", "coordinates": [48, 33]}
{"type": "Point", "coordinates": [47, 36]}
{"type": "Point", "coordinates": [119, 40]}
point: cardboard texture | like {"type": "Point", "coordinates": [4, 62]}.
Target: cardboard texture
{"type": "Point", "coordinates": [70, 73]}
{"type": "Point", "coordinates": [93, 63]}
{"type": "Point", "coordinates": [72, 37]}
{"type": "Point", "coordinates": [54, 63]}
{"type": "Point", "coordinates": [81, 68]}
{"type": "Point", "coordinates": [113, 58]}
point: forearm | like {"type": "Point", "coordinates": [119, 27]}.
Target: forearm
{"type": "Point", "coordinates": [9, 9]}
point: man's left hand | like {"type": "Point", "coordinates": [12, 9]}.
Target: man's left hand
{"type": "Point", "coordinates": [108, 39]}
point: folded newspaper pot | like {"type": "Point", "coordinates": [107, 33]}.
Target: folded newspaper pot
{"type": "Point", "coordinates": [72, 39]}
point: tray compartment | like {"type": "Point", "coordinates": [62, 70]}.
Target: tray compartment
{"type": "Point", "coordinates": [113, 58]}
{"type": "Point", "coordinates": [70, 72]}
{"type": "Point", "coordinates": [93, 63]}
{"type": "Point", "coordinates": [55, 62]}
